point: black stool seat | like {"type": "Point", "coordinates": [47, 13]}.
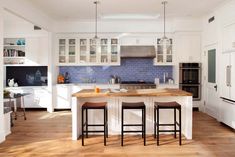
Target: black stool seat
{"type": "Point", "coordinates": [137, 105]}
{"type": "Point", "coordinates": [94, 106]}
{"type": "Point", "coordinates": [167, 105]}
{"type": "Point", "coordinates": [170, 105]}
{"type": "Point", "coordinates": [134, 106]}
{"type": "Point", "coordinates": [90, 105]}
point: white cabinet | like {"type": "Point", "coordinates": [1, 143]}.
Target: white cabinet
{"type": "Point", "coordinates": [187, 47]}
{"type": "Point", "coordinates": [227, 113]}
{"type": "Point", "coordinates": [63, 93]}
{"type": "Point", "coordinates": [39, 97]}
{"type": "Point", "coordinates": [232, 76]}
{"type": "Point", "coordinates": [145, 41]}
{"type": "Point", "coordinates": [164, 53]}
{"type": "Point", "coordinates": [63, 96]}
{"type": "Point", "coordinates": [225, 63]}
{"type": "Point", "coordinates": [229, 38]}
{"type": "Point", "coordinates": [67, 50]}
{"type": "Point", "coordinates": [85, 51]}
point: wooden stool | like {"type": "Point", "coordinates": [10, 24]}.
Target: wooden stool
{"type": "Point", "coordinates": [134, 106]}
{"type": "Point", "coordinates": [167, 105]}
{"type": "Point", "coordinates": [94, 106]}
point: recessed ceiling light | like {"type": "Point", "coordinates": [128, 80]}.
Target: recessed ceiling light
{"type": "Point", "coordinates": [130, 17]}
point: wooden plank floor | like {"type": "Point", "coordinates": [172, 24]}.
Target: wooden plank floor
{"type": "Point", "coordinates": [45, 134]}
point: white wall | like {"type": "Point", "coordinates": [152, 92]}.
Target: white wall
{"type": "Point", "coordinates": [28, 12]}
{"type": "Point", "coordinates": [146, 26]}
{"type": "Point", "coordinates": [2, 132]}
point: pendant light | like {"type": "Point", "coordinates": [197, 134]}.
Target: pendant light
{"type": "Point", "coordinates": [164, 40]}
{"type": "Point", "coordinates": [96, 19]}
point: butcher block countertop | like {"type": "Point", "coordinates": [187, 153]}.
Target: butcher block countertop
{"type": "Point", "coordinates": [130, 93]}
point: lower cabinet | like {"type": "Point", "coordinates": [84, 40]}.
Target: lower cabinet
{"type": "Point", "coordinates": [39, 97]}
{"type": "Point", "coordinates": [227, 113]}
{"type": "Point", "coordinates": [63, 93]}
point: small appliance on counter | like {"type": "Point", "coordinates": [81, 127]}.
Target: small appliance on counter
{"type": "Point", "coordinates": [114, 79]}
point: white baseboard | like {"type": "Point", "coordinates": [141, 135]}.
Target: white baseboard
{"type": "Point", "coordinates": [2, 137]}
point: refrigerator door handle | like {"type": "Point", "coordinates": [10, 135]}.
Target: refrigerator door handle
{"type": "Point", "coordinates": [227, 75]}
{"type": "Point", "coordinates": [230, 76]}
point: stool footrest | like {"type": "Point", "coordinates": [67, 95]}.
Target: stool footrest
{"type": "Point", "coordinates": [94, 131]}
{"type": "Point", "coordinates": [168, 130]}
{"type": "Point", "coordinates": [132, 125]}
{"type": "Point", "coordinates": [133, 131]}
{"type": "Point", "coordinates": [95, 125]}
{"type": "Point", "coordinates": [166, 124]}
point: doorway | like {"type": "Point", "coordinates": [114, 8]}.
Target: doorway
{"type": "Point", "coordinates": [210, 74]}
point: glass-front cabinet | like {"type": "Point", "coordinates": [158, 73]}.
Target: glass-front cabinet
{"type": "Point", "coordinates": [88, 51]}
{"type": "Point", "coordinates": [114, 51]}
{"type": "Point", "coordinates": [67, 51]}
{"type": "Point", "coordinates": [164, 55]}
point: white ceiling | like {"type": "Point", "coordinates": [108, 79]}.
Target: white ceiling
{"type": "Point", "coordinates": [84, 9]}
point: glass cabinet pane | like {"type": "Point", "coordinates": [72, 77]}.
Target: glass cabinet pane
{"type": "Point", "coordinates": [104, 50]}
{"type": "Point", "coordinates": [62, 50]}
{"type": "Point", "coordinates": [83, 50]}
{"type": "Point", "coordinates": [114, 50]}
{"type": "Point", "coordinates": [93, 51]}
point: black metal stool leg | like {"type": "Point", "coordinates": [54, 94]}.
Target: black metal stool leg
{"type": "Point", "coordinates": [180, 126]}
{"type": "Point", "coordinates": [154, 122]}
{"type": "Point", "coordinates": [158, 126]}
{"type": "Point", "coordinates": [144, 115]}
{"type": "Point", "coordinates": [82, 127]}
{"type": "Point", "coordinates": [175, 122]}
{"type": "Point", "coordinates": [86, 123]}
{"type": "Point", "coordinates": [105, 120]}
{"type": "Point", "coordinates": [142, 123]}
{"type": "Point", "coordinates": [122, 128]}
{"type": "Point", "coordinates": [107, 129]}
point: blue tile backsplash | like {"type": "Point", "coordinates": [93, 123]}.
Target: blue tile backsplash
{"type": "Point", "coordinates": [131, 69]}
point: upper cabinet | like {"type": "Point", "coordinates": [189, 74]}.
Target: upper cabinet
{"type": "Point", "coordinates": [187, 47]}
{"type": "Point", "coordinates": [67, 51]}
{"type": "Point", "coordinates": [229, 38]}
{"type": "Point", "coordinates": [139, 40]}
{"type": "Point", "coordinates": [86, 51]}
{"type": "Point", "coordinates": [164, 54]}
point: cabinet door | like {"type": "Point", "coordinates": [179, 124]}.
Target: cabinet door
{"type": "Point", "coordinates": [232, 81]}
{"type": "Point", "coordinates": [228, 38]}
{"type": "Point", "coordinates": [72, 50]}
{"type": "Point", "coordinates": [42, 98]}
{"type": "Point", "coordinates": [225, 63]}
{"type": "Point", "coordinates": [63, 97]}
{"type": "Point", "coordinates": [29, 101]}
{"type": "Point", "coordinates": [104, 51]}
{"type": "Point", "coordinates": [83, 50]}
{"type": "Point", "coordinates": [114, 54]}
{"type": "Point", "coordinates": [62, 51]}
{"type": "Point", "coordinates": [93, 54]}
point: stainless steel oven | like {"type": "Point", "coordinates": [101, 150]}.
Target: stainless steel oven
{"type": "Point", "coordinates": [195, 89]}
{"type": "Point", "coordinates": [190, 79]}
{"type": "Point", "coordinates": [190, 73]}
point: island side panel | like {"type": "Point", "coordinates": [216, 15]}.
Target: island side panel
{"type": "Point", "coordinates": [75, 118]}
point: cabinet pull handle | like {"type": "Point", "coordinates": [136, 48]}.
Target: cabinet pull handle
{"type": "Point", "coordinates": [227, 75]}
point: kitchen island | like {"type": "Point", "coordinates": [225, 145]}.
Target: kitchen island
{"type": "Point", "coordinates": [114, 101]}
